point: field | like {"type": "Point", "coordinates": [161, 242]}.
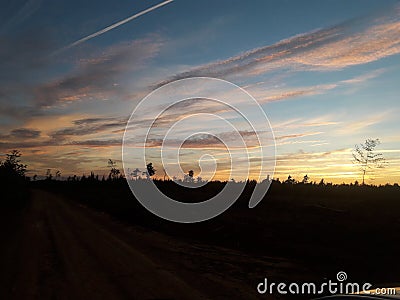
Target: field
{"type": "Point", "coordinates": [93, 239]}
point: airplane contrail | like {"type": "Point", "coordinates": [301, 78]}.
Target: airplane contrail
{"type": "Point", "coordinates": [108, 28]}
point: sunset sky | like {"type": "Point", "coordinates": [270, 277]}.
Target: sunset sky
{"type": "Point", "coordinates": [326, 73]}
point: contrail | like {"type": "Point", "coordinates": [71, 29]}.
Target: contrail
{"type": "Point", "coordinates": [108, 28]}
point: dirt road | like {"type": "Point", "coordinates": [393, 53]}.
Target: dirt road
{"type": "Point", "coordinates": [71, 252]}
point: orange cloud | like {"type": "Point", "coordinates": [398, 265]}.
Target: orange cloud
{"type": "Point", "coordinates": [331, 48]}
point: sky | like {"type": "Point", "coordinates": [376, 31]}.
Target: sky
{"type": "Point", "coordinates": [325, 73]}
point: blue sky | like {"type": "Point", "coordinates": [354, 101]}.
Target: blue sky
{"type": "Point", "coordinates": [326, 74]}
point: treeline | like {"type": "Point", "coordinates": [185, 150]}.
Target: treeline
{"type": "Point", "coordinates": [13, 172]}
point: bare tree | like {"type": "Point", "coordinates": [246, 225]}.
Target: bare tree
{"type": "Point", "coordinates": [365, 156]}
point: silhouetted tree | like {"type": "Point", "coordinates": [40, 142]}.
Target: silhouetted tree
{"type": "Point", "coordinates": [58, 174]}
{"type": "Point", "coordinates": [12, 166]}
{"type": "Point", "coordinates": [290, 180]}
{"type": "Point", "coordinates": [14, 190]}
{"type": "Point", "coordinates": [150, 171]}
{"type": "Point", "coordinates": [364, 155]}
{"type": "Point", "coordinates": [136, 173]}
{"type": "Point", "coordinates": [114, 172]}
{"type": "Point", "coordinates": [189, 176]}
{"type": "Point", "coordinates": [49, 176]}
{"type": "Point", "coordinates": [305, 179]}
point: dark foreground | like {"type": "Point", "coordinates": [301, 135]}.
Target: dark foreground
{"type": "Point", "coordinates": [95, 242]}
{"type": "Point", "coordinates": [67, 251]}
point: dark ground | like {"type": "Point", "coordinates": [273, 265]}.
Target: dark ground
{"type": "Point", "coordinates": [74, 240]}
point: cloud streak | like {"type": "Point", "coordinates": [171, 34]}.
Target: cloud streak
{"type": "Point", "coordinates": [331, 48]}
{"type": "Point", "coordinates": [115, 25]}
{"type": "Point", "coordinates": [90, 126]}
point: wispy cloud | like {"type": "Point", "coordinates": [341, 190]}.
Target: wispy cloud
{"type": "Point", "coordinates": [265, 94]}
{"type": "Point", "coordinates": [90, 132]}
{"type": "Point", "coordinates": [90, 126]}
{"type": "Point", "coordinates": [363, 122]}
{"type": "Point", "coordinates": [364, 77]}
{"type": "Point", "coordinates": [209, 141]}
{"type": "Point", "coordinates": [21, 133]}
{"type": "Point", "coordinates": [296, 135]}
{"type": "Point", "coordinates": [332, 48]}
{"type": "Point", "coordinates": [28, 9]}
{"type": "Point", "coordinates": [25, 133]}
{"type": "Point", "coordinates": [96, 77]}
{"type": "Point", "coordinates": [97, 143]}
{"type": "Point", "coordinates": [100, 76]}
